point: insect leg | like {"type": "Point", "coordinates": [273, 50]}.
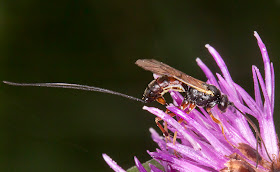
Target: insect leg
{"type": "Point", "coordinates": [191, 107]}
{"type": "Point", "coordinates": [164, 130]}
{"type": "Point", "coordinates": [165, 133]}
{"type": "Point", "coordinates": [219, 123]}
{"type": "Point", "coordinates": [184, 105]}
{"type": "Point", "coordinates": [175, 134]}
{"type": "Point", "coordinates": [165, 123]}
{"type": "Point", "coordinates": [161, 100]}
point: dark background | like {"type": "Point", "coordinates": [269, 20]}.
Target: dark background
{"type": "Point", "coordinates": [96, 43]}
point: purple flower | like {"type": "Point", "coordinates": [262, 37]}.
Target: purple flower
{"type": "Point", "coordinates": [200, 144]}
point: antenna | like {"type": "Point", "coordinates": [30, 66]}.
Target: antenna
{"type": "Point", "coordinates": [74, 86]}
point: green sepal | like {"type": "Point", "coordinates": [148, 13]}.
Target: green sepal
{"type": "Point", "coordinates": [146, 166]}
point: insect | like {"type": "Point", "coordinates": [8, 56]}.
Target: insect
{"type": "Point", "coordinates": [197, 93]}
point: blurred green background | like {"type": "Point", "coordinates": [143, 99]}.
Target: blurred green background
{"type": "Point", "coordinates": [96, 43]}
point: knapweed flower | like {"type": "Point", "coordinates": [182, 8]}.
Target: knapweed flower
{"type": "Point", "coordinates": [200, 144]}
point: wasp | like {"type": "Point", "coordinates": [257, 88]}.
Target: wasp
{"type": "Point", "coordinates": [197, 93]}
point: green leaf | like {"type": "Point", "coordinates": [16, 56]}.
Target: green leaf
{"type": "Point", "coordinates": [146, 166]}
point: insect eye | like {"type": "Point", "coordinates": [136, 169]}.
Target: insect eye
{"type": "Point", "coordinates": [223, 104]}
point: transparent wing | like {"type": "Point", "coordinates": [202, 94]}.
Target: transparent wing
{"type": "Point", "coordinates": [164, 69]}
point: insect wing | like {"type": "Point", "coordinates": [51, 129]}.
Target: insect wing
{"type": "Point", "coordinates": [164, 69]}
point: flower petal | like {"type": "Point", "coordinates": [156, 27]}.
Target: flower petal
{"type": "Point", "coordinates": [196, 156]}
{"type": "Point", "coordinates": [217, 145]}
{"type": "Point", "coordinates": [266, 61]}
{"type": "Point", "coordinates": [139, 165]}
{"type": "Point", "coordinates": [156, 138]}
{"type": "Point", "coordinates": [220, 62]}
{"type": "Point", "coordinates": [176, 163]}
{"type": "Point", "coordinates": [112, 163]}
{"type": "Point", "coordinates": [207, 72]}
{"type": "Point", "coordinates": [258, 97]}
{"type": "Point", "coordinates": [177, 97]}
{"type": "Point", "coordinates": [174, 123]}
{"type": "Point", "coordinates": [273, 87]}
{"type": "Point", "coordinates": [267, 104]}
